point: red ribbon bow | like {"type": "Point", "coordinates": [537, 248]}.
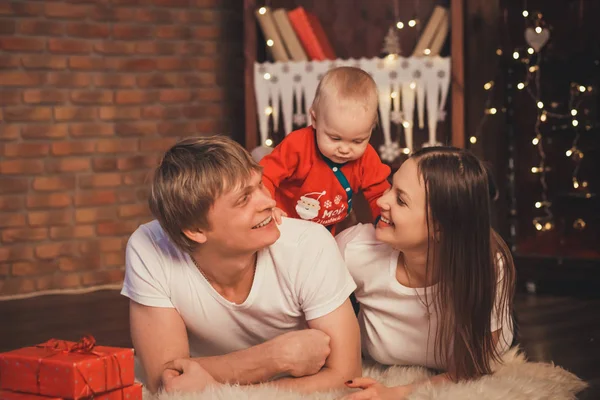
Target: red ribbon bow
{"type": "Point", "coordinates": [85, 345]}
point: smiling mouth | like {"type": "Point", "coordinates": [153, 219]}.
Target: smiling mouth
{"type": "Point", "coordinates": [264, 223]}
{"type": "Point", "coordinates": [387, 221]}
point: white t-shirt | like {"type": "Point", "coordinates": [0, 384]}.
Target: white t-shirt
{"type": "Point", "coordinates": [299, 278]}
{"type": "Point", "coordinates": [394, 326]}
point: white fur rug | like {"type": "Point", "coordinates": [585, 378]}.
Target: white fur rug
{"type": "Point", "coordinates": [516, 379]}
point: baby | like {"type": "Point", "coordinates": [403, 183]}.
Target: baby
{"type": "Point", "coordinates": [315, 171]}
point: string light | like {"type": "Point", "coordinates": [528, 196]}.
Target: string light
{"type": "Point", "coordinates": [400, 25]}
{"type": "Point", "coordinates": [530, 50]}
{"type": "Point", "coordinates": [579, 224]}
{"type": "Point", "coordinates": [270, 43]}
{"type": "Point", "coordinates": [490, 88]}
{"type": "Point", "coordinates": [543, 224]}
{"type": "Point", "coordinates": [520, 86]}
{"type": "Point", "coordinates": [540, 169]}
{"type": "Point", "coordinates": [538, 29]}
{"type": "Point", "coordinates": [412, 85]}
{"type": "Point", "coordinates": [406, 124]}
{"type": "Point", "coordinates": [393, 95]}
{"type": "Point", "coordinates": [406, 150]}
{"type": "Point", "coordinates": [262, 10]}
{"type": "Point", "coordinates": [268, 142]}
{"type": "Point", "coordinates": [516, 55]}
{"type": "Point", "coordinates": [573, 112]}
{"type": "Point", "coordinates": [575, 122]}
{"type": "Point", "coordinates": [267, 76]}
{"type": "Point", "coordinates": [269, 110]}
{"type": "Point", "coordinates": [540, 204]}
{"type": "Point", "coordinates": [412, 23]}
{"type": "Point", "coordinates": [427, 52]}
{"type": "Point", "coordinates": [582, 88]}
{"type": "Point", "coordinates": [525, 13]}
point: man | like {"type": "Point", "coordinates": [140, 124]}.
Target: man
{"type": "Point", "coordinates": [220, 293]}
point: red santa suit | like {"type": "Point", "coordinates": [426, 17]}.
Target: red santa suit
{"type": "Point", "coordinates": [308, 186]}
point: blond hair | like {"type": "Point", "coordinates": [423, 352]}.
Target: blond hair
{"type": "Point", "coordinates": [191, 176]}
{"type": "Point", "coordinates": [347, 84]}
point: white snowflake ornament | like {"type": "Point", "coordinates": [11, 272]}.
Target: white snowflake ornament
{"type": "Point", "coordinates": [299, 119]}
{"type": "Point", "coordinates": [389, 152]}
{"type": "Point", "coordinates": [396, 117]}
{"type": "Point", "coordinates": [327, 204]}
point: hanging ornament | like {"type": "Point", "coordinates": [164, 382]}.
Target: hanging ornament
{"type": "Point", "coordinates": [537, 36]}
{"type": "Point", "coordinates": [391, 43]}
{"type": "Point", "coordinates": [299, 119]}
{"type": "Point", "coordinates": [389, 152]}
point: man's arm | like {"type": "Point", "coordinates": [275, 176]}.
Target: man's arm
{"type": "Point", "coordinates": [159, 337]}
{"type": "Point", "coordinates": [344, 361]}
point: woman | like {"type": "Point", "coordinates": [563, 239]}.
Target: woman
{"type": "Point", "coordinates": [435, 282]}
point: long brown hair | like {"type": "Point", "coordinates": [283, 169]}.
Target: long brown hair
{"type": "Point", "coordinates": [475, 272]}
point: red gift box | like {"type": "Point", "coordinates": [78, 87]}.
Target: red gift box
{"type": "Point", "coordinates": [71, 370]}
{"type": "Point", "coordinates": [133, 392]}
{"type": "Point", "coordinates": [8, 395]}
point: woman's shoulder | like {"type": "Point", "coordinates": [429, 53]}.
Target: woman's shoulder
{"type": "Point", "coordinates": [356, 233]}
{"type": "Point", "coordinates": [360, 249]}
{"type": "Point", "coordinates": [360, 235]}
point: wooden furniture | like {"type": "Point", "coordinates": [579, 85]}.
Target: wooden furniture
{"type": "Point", "coordinates": [356, 30]}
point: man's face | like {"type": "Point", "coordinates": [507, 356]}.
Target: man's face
{"type": "Point", "coordinates": [241, 219]}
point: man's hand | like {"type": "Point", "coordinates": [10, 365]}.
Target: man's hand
{"type": "Point", "coordinates": [278, 213]}
{"type": "Point", "coordinates": [373, 390]}
{"type": "Point", "coordinates": [302, 353]}
{"type": "Point", "coordinates": [185, 375]}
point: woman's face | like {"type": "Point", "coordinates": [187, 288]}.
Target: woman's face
{"type": "Point", "coordinates": [403, 222]}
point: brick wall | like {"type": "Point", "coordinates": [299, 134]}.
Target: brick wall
{"type": "Point", "coordinates": [91, 94]}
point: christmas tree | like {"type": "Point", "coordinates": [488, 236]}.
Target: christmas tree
{"type": "Point", "coordinates": [391, 43]}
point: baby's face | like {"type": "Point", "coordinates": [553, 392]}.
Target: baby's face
{"type": "Point", "coordinates": [343, 130]}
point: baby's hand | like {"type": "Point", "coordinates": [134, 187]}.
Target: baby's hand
{"type": "Point", "coordinates": [277, 214]}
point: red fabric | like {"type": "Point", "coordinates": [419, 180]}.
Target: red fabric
{"type": "Point", "coordinates": [66, 369]}
{"type": "Point", "coordinates": [133, 392]}
{"type": "Point", "coordinates": [296, 174]}
{"type": "Point", "coordinates": [311, 34]}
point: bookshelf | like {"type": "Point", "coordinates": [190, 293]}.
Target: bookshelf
{"type": "Point", "coordinates": [356, 31]}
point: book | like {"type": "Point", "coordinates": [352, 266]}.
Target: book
{"type": "Point", "coordinates": [267, 25]}
{"type": "Point", "coordinates": [431, 31]}
{"type": "Point", "coordinates": [440, 36]}
{"type": "Point", "coordinates": [311, 34]}
{"type": "Point", "coordinates": [288, 35]}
